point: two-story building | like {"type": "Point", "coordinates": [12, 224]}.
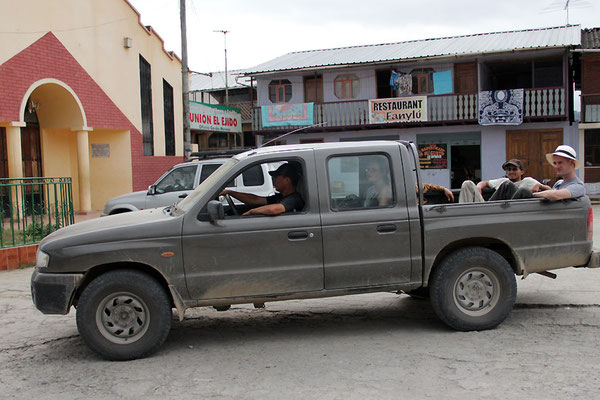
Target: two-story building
{"type": "Point", "coordinates": [87, 92]}
{"type": "Point", "coordinates": [221, 96]}
{"type": "Point", "coordinates": [588, 81]}
{"type": "Point", "coordinates": [469, 102]}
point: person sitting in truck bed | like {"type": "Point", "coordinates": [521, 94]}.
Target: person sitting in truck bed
{"type": "Point", "coordinates": [565, 162]}
{"type": "Point", "coordinates": [379, 194]}
{"type": "Point", "coordinates": [514, 186]}
{"type": "Point", "coordinates": [285, 181]}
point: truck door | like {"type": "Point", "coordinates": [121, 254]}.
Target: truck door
{"type": "Point", "coordinates": [366, 235]}
{"type": "Point", "coordinates": [257, 255]}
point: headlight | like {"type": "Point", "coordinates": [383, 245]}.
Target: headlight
{"type": "Point", "coordinates": [41, 259]}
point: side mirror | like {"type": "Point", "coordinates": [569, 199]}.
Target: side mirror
{"type": "Point", "coordinates": [215, 210]}
{"type": "Point", "coordinates": [151, 190]}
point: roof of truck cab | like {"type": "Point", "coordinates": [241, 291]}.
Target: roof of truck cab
{"type": "Point", "coordinates": [316, 146]}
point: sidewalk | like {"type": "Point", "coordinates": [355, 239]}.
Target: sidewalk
{"type": "Point", "coordinates": [86, 216]}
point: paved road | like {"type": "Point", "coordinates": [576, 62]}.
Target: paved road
{"type": "Point", "coordinates": [358, 347]}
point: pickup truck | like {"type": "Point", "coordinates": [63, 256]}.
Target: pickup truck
{"type": "Point", "coordinates": [125, 273]}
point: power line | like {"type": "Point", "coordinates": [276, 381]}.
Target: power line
{"type": "Point", "coordinates": [64, 30]}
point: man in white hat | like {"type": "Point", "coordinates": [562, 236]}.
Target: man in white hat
{"type": "Point", "coordinates": [565, 162]}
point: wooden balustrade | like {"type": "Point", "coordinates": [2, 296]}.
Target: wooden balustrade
{"type": "Point", "coordinates": [544, 102]}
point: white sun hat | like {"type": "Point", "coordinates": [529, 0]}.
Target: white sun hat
{"type": "Point", "coordinates": [566, 152]}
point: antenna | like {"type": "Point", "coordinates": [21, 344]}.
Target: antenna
{"type": "Point", "coordinates": [565, 5]}
{"type": "Point", "coordinates": [294, 131]}
{"type": "Point", "coordinates": [224, 32]}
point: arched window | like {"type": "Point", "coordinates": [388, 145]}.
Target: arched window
{"type": "Point", "coordinates": [346, 86]}
{"type": "Point", "coordinates": [280, 91]}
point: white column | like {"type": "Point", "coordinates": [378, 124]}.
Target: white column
{"type": "Point", "coordinates": [15, 165]}
{"type": "Point", "coordinates": [83, 164]}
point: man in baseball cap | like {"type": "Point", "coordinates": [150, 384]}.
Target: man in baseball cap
{"type": "Point", "coordinates": [287, 199]}
{"type": "Point", "coordinates": [565, 162]}
{"type": "Point", "coordinates": [513, 186]}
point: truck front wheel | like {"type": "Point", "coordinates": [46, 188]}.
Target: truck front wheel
{"type": "Point", "coordinates": [473, 289]}
{"type": "Point", "coordinates": [123, 315]}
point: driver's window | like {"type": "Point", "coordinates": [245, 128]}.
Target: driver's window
{"type": "Point", "coordinates": [257, 181]}
{"type": "Point", "coordinates": [178, 179]}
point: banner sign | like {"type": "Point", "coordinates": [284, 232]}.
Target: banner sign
{"type": "Point", "coordinates": [400, 109]}
{"type": "Point", "coordinates": [433, 156]}
{"type": "Point", "coordinates": [501, 107]}
{"type": "Point", "coordinates": [287, 114]}
{"type": "Point", "coordinates": [210, 117]}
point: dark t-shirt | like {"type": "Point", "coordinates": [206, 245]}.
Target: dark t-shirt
{"type": "Point", "coordinates": [291, 202]}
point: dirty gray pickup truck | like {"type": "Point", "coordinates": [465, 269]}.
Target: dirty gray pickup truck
{"type": "Point", "coordinates": [362, 229]}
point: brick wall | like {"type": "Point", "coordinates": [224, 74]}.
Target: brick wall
{"type": "Point", "coordinates": [14, 257]}
{"type": "Point", "coordinates": [48, 58]}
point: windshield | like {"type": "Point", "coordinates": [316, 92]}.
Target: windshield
{"type": "Point", "coordinates": [187, 203]}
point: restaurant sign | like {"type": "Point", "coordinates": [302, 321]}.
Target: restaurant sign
{"type": "Point", "coordinates": [399, 109]}
{"type": "Point", "coordinates": [210, 117]}
{"type": "Point", "coordinates": [433, 156]}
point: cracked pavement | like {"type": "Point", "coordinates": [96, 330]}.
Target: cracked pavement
{"type": "Point", "coordinates": [355, 347]}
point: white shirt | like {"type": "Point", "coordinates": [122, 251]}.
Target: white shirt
{"type": "Point", "coordinates": [527, 182]}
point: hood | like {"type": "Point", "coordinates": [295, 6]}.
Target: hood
{"type": "Point", "coordinates": [137, 199]}
{"type": "Point", "coordinates": [145, 224]}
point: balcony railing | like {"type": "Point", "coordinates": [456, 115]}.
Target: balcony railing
{"type": "Point", "coordinates": [453, 108]}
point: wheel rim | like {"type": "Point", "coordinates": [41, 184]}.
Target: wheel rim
{"type": "Point", "coordinates": [122, 318]}
{"type": "Point", "coordinates": [477, 291]}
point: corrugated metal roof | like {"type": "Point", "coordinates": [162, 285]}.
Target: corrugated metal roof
{"type": "Point", "coordinates": [482, 43]}
{"type": "Point", "coordinates": [216, 80]}
{"type": "Point", "coordinates": [590, 38]}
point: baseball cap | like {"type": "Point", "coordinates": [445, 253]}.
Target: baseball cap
{"type": "Point", "coordinates": [287, 170]}
{"type": "Point", "coordinates": [516, 162]}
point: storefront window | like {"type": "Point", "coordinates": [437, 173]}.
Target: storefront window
{"type": "Point", "coordinates": [449, 160]}
{"type": "Point", "coordinates": [346, 86]}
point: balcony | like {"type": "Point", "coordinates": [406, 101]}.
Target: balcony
{"type": "Point", "coordinates": [441, 110]}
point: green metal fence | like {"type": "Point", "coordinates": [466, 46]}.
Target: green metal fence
{"type": "Point", "coordinates": [32, 208]}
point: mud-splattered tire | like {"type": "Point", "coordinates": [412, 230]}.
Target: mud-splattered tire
{"type": "Point", "coordinates": [124, 315]}
{"type": "Point", "coordinates": [473, 289]}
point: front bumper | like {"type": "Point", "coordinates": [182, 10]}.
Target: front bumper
{"type": "Point", "coordinates": [53, 293]}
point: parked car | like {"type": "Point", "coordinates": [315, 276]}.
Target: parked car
{"type": "Point", "coordinates": [180, 180]}
{"type": "Point", "coordinates": [125, 274]}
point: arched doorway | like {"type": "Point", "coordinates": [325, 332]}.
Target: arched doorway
{"type": "Point", "coordinates": [31, 148]}
{"type": "Point", "coordinates": [54, 137]}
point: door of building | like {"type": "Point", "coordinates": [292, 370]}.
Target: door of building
{"type": "Point", "coordinates": [4, 199]}
{"type": "Point", "coordinates": [465, 78]}
{"type": "Point", "coordinates": [313, 89]}
{"type": "Point", "coordinates": [31, 150]}
{"type": "Point", "coordinates": [531, 147]}
{"type": "Point", "coordinates": [3, 154]}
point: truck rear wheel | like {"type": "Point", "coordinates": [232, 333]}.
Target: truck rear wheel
{"type": "Point", "coordinates": [123, 315]}
{"type": "Point", "coordinates": [473, 289]}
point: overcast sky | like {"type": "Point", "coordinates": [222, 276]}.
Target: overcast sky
{"type": "Point", "coordinates": [261, 30]}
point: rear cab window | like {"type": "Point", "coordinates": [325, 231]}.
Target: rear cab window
{"type": "Point", "coordinates": [360, 182]}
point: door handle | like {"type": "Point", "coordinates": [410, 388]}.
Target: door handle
{"type": "Point", "coordinates": [298, 235]}
{"type": "Point", "coordinates": [386, 228]}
